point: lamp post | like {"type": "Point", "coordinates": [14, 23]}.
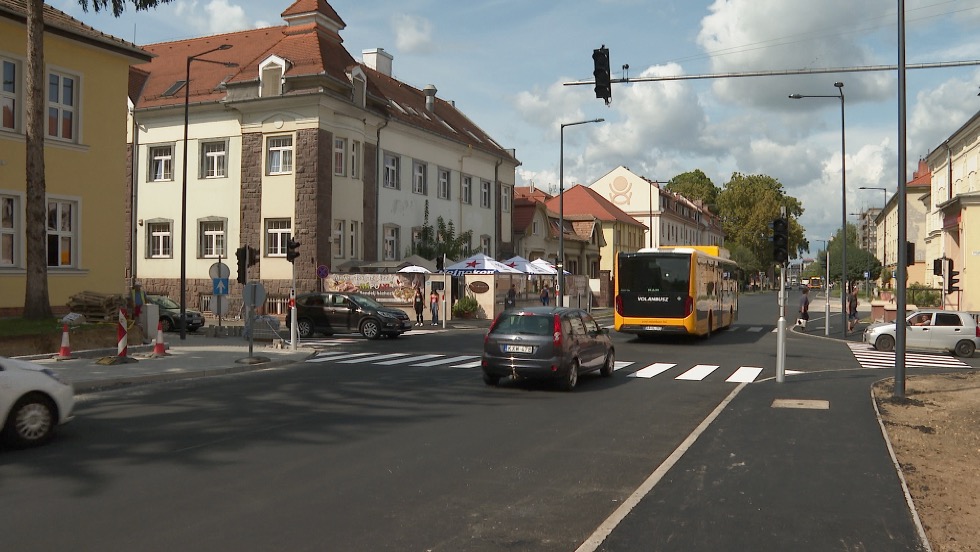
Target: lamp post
{"type": "Point", "coordinates": [884, 224]}
{"type": "Point", "coordinates": [183, 189]}
{"type": "Point", "coordinates": [561, 210]}
{"type": "Point", "coordinates": [843, 204]}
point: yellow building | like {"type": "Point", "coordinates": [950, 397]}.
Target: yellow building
{"type": "Point", "coordinates": [85, 93]}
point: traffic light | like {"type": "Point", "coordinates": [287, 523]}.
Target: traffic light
{"type": "Point", "coordinates": [910, 254]}
{"type": "Point", "coordinates": [241, 253]}
{"type": "Point", "coordinates": [291, 250]}
{"type": "Point", "coordinates": [780, 240]}
{"type": "Point", "coordinates": [603, 88]}
{"type": "Point", "coordinates": [951, 279]}
{"type": "Point", "coordinates": [937, 267]}
{"type": "Point", "coordinates": [253, 256]}
{"type": "Point", "coordinates": [440, 263]}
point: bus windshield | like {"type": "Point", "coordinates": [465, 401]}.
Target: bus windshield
{"type": "Point", "coordinates": [654, 285]}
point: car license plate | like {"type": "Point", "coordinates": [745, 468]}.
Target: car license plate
{"type": "Point", "coordinates": [518, 348]}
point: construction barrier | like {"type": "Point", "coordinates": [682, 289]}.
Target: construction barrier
{"type": "Point", "coordinates": [122, 336]}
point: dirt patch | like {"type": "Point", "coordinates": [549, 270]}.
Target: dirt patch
{"type": "Point", "coordinates": [935, 431]}
{"type": "Point", "coordinates": [80, 338]}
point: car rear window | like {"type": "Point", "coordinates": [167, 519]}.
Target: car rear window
{"type": "Point", "coordinates": [524, 324]}
{"type": "Point", "coordinates": [948, 319]}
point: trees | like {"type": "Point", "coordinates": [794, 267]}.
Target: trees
{"type": "Point", "coordinates": [441, 240]}
{"type": "Point", "coordinates": [36, 303]}
{"type": "Point", "coordinates": [695, 185]}
{"type": "Point", "coordinates": [748, 204]}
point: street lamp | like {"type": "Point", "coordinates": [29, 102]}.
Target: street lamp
{"type": "Point", "coordinates": [826, 283]}
{"type": "Point", "coordinates": [884, 224]}
{"type": "Point", "coordinates": [183, 190]}
{"type": "Point", "coordinates": [561, 210]}
{"type": "Point", "coordinates": [843, 203]}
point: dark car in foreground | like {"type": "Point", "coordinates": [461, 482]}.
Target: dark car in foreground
{"type": "Point", "coordinates": [342, 312]}
{"type": "Point", "coordinates": [546, 343]}
{"type": "Point", "coordinates": [930, 329]}
{"type": "Point", "coordinates": [170, 314]}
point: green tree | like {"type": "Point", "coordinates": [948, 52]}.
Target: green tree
{"type": "Point", "coordinates": [859, 261]}
{"type": "Point", "coordinates": [695, 185]}
{"type": "Point", "coordinates": [747, 206]}
{"type": "Point", "coordinates": [441, 239]}
{"type": "Point", "coordinates": [36, 301]}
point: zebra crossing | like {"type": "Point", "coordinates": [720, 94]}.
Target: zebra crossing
{"type": "Point", "coordinates": [868, 357]}
{"type": "Point", "coordinates": [699, 372]}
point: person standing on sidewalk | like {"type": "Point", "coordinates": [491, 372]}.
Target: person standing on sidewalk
{"type": "Point", "coordinates": [804, 309]}
{"type": "Point", "coordinates": [852, 309]}
{"type": "Point", "coordinates": [434, 306]}
{"type": "Point", "coordinates": [419, 305]}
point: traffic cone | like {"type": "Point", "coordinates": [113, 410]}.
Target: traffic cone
{"type": "Point", "coordinates": [65, 352]}
{"type": "Point", "coordinates": [159, 347]}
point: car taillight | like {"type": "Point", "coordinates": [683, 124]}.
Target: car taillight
{"type": "Point", "coordinates": [688, 306]}
{"type": "Point", "coordinates": [978, 331]}
{"type": "Point", "coordinates": [619, 305]}
{"type": "Point", "coordinates": [556, 339]}
{"type": "Point", "coordinates": [493, 325]}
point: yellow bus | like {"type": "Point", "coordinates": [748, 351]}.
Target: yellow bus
{"type": "Point", "coordinates": [689, 290]}
{"type": "Point", "coordinates": [815, 283]}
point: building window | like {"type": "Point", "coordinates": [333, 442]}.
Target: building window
{"type": "Point", "coordinates": [485, 245]}
{"type": "Point", "coordinates": [62, 232]}
{"type": "Point", "coordinates": [271, 77]}
{"type": "Point", "coordinates": [467, 190]}
{"type": "Point", "coordinates": [161, 163]}
{"type": "Point", "coordinates": [280, 157]}
{"type": "Point", "coordinates": [214, 159]}
{"type": "Point", "coordinates": [391, 171]}
{"type": "Point", "coordinates": [534, 228]}
{"type": "Point", "coordinates": [159, 239]}
{"type": "Point", "coordinates": [444, 183]}
{"type": "Point", "coordinates": [9, 229]}
{"type": "Point", "coordinates": [62, 104]}
{"type": "Point", "coordinates": [212, 236]}
{"type": "Point", "coordinates": [485, 194]}
{"type": "Point", "coordinates": [354, 236]}
{"type": "Point", "coordinates": [505, 198]}
{"type": "Point", "coordinates": [277, 234]}
{"type": "Point", "coordinates": [416, 238]}
{"type": "Point", "coordinates": [340, 156]}
{"type": "Point", "coordinates": [338, 239]}
{"type": "Point", "coordinates": [10, 90]}
{"type": "Point", "coordinates": [391, 243]}
{"type": "Point", "coordinates": [355, 159]}
{"type": "Point", "coordinates": [419, 182]}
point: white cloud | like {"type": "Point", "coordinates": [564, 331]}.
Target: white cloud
{"type": "Point", "coordinates": [213, 17]}
{"type": "Point", "coordinates": [413, 34]}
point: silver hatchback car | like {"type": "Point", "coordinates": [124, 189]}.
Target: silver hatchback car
{"type": "Point", "coordinates": [546, 343]}
{"type": "Point", "coordinates": [930, 329]}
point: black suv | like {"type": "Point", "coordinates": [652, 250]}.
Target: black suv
{"type": "Point", "coordinates": [170, 314]}
{"type": "Point", "coordinates": [333, 312]}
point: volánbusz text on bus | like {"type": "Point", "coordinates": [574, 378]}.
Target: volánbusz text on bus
{"type": "Point", "coordinates": [680, 289]}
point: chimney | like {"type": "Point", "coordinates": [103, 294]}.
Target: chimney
{"type": "Point", "coordinates": [378, 59]}
{"type": "Point", "coordinates": [430, 97]}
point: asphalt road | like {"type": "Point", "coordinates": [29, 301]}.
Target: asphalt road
{"type": "Point", "coordinates": [337, 455]}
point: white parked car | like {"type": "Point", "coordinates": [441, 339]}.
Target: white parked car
{"type": "Point", "coordinates": [930, 329]}
{"type": "Point", "coordinates": [33, 401]}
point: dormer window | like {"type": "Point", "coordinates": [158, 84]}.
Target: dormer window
{"type": "Point", "coordinates": [271, 72]}
{"type": "Point", "coordinates": [358, 86]}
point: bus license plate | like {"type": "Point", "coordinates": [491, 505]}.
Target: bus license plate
{"type": "Point", "coordinates": [654, 328]}
{"type": "Point", "coordinates": [518, 348]}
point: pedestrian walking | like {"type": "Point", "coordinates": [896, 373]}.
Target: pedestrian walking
{"type": "Point", "coordinates": [544, 296]}
{"type": "Point", "coordinates": [511, 299]}
{"type": "Point", "coordinates": [419, 305]}
{"type": "Point", "coordinates": [852, 308]}
{"type": "Point", "coordinates": [804, 309]}
{"type": "Point", "coordinates": [434, 307]}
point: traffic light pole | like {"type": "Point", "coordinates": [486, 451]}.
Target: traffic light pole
{"type": "Point", "coordinates": [781, 328]}
{"type": "Point", "coordinates": [293, 330]}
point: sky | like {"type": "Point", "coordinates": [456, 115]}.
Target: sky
{"type": "Point", "coordinates": [506, 65]}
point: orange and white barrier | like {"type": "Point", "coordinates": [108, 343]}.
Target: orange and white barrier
{"type": "Point", "coordinates": [65, 352]}
{"type": "Point", "coordinates": [122, 336]}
